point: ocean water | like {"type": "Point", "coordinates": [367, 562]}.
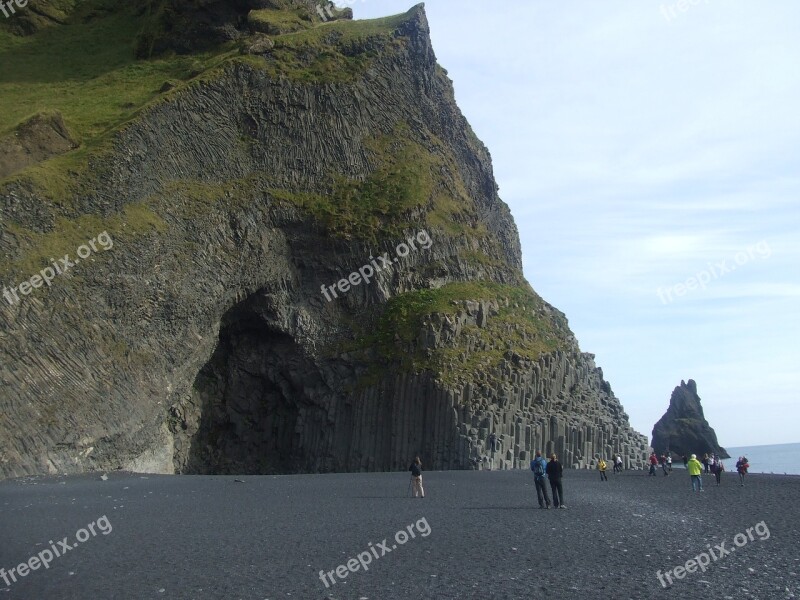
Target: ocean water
{"type": "Point", "coordinates": [775, 458]}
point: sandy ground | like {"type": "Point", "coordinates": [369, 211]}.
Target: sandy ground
{"type": "Point", "coordinates": [475, 535]}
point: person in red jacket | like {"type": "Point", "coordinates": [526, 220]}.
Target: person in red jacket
{"type": "Point", "coordinates": [741, 466]}
{"type": "Point", "coordinates": [653, 463]}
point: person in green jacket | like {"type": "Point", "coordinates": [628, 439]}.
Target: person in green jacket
{"type": "Point", "coordinates": [695, 468]}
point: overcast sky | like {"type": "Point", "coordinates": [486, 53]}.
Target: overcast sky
{"type": "Point", "coordinates": [651, 159]}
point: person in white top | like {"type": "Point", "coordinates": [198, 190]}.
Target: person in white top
{"type": "Point", "coordinates": [618, 464]}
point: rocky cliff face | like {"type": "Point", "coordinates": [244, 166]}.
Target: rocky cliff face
{"type": "Point", "coordinates": [223, 330]}
{"type": "Point", "coordinates": [251, 415]}
{"type": "Point", "coordinates": [683, 430]}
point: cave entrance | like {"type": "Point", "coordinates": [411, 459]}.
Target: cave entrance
{"type": "Point", "coordinates": [251, 400]}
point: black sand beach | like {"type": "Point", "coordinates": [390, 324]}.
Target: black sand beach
{"type": "Point", "coordinates": [190, 537]}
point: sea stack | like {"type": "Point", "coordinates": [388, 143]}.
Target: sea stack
{"type": "Point", "coordinates": [683, 429]}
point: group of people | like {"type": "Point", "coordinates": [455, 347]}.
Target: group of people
{"type": "Point", "coordinates": [665, 460]}
{"type": "Point", "coordinates": [602, 465]}
{"type": "Point", "coordinates": [552, 472]}
{"type": "Point", "coordinates": [713, 464]}
{"type": "Point", "coordinates": [618, 463]}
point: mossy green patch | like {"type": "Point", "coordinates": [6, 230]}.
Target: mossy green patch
{"type": "Point", "coordinates": [337, 51]}
{"type": "Point", "coordinates": [347, 32]}
{"type": "Point", "coordinates": [379, 205]}
{"type": "Point", "coordinates": [524, 325]}
{"type": "Point", "coordinates": [411, 182]}
{"type": "Point", "coordinates": [277, 22]}
{"type": "Point", "coordinates": [476, 257]}
{"type": "Point", "coordinates": [448, 213]}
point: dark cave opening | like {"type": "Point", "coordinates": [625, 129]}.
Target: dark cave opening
{"type": "Point", "coordinates": [252, 399]}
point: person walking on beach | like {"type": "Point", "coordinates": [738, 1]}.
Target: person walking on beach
{"type": "Point", "coordinates": [618, 464]}
{"type": "Point", "coordinates": [601, 466]}
{"type": "Point", "coordinates": [685, 461]}
{"type": "Point", "coordinates": [705, 461]}
{"type": "Point", "coordinates": [741, 467]}
{"type": "Point", "coordinates": [663, 461]}
{"type": "Point", "coordinates": [416, 478]}
{"type": "Point", "coordinates": [719, 468]}
{"type": "Point", "coordinates": [539, 468]}
{"type": "Point", "coordinates": [554, 472]}
{"type": "Point", "coordinates": [653, 463]}
{"type": "Point", "coordinates": [695, 468]}
{"type": "Point", "coordinates": [669, 462]}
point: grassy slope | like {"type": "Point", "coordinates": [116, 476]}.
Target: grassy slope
{"type": "Point", "coordinates": [87, 71]}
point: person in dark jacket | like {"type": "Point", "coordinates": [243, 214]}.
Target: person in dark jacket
{"type": "Point", "coordinates": [554, 472]}
{"type": "Point", "coordinates": [663, 462]}
{"type": "Point", "coordinates": [416, 478]}
{"type": "Point", "coordinates": [718, 470]}
{"type": "Point", "coordinates": [539, 468]}
{"type": "Point", "coordinates": [741, 467]}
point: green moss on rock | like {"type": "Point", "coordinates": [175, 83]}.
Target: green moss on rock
{"type": "Point", "coordinates": [524, 327]}
{"type": "Point", "coordinates": [276, 22]}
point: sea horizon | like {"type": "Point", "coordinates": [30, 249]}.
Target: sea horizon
{"type": "Point", "coordinates": [778, 459]}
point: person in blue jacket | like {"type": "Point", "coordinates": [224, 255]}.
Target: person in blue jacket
{"type": "Point", "coordinates": [539, 468]}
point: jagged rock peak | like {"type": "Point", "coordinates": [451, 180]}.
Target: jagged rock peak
{"type": "Point", "coordinates": [683, 429]}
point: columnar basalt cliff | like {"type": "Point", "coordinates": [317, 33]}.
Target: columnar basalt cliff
{"type": "Point", "coordinates": [202, 342]}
